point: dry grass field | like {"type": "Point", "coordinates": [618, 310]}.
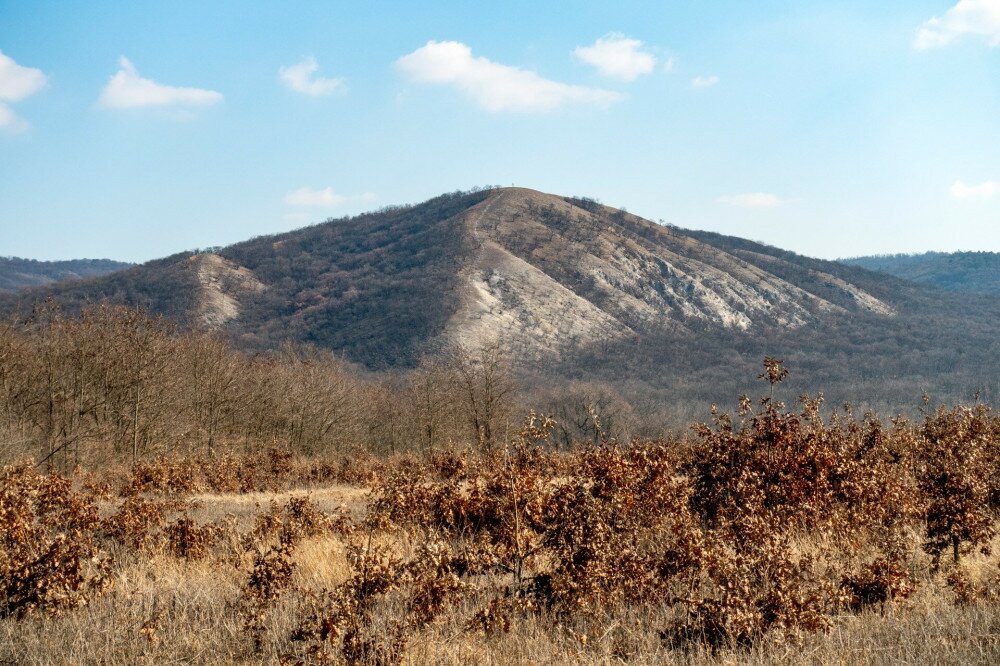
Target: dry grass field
{"type": "Point", "coordinates": [231, 511]}
{"type": "Point", "coordinates": [785, 539]}
{"type": "Point", "coordinates": [162, 609]}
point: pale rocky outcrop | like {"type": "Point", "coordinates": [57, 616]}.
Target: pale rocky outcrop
{"type": "Point", "coordinates": [550, 276]}
{"type": "Point", "coordinates": [222, 285]}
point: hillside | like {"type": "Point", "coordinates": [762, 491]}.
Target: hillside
{"type": "Point", "coordinates": [17, 273]}
{"type": "Point", "coordinates": [573, 288]}
{"type": "Point", "coordinates": [969, 272]}
{"type": "Point", "coordinates": [544, 273]}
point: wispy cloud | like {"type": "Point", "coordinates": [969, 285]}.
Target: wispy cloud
{"type": "Point", "coordinates": [127, 90]}
{"type": "Point", "coordinates": [985, 190]}
{"type": "Point", "coordinates": [968, 17]}
{"type": "Point", "coordinates": [704, 81]}
{"type": "Point", "coordinates": [16, 83]}
{"type": "Point", "coordinates": [300, 78]}
{"type": "Point", "coordinates": [752, 200]}
{"type": "Point", "coordinates": [306, 197]}
{"type": "Point", "coordinates": [617, 56]}
{"type": "Point", "coordinates": [494, 86]}
{"type": "Point", "coordinates": [10, 121]}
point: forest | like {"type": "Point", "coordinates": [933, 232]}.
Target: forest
{"type": "Point", "coordinates": [113, 384]}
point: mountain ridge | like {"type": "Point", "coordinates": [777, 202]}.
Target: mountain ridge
{"type": "Point", "coordinates": [540, 272]}
{"type": "Point", "coordinates": [568, 288]}
{"type": "Point", "coordinates": [18, 273]}
{"type": "Point", "coordinates": [640, 275]}
{"type": "Point", "coordinates": [966, 272]}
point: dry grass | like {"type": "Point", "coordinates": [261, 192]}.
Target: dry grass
{"type": "Point", "coordinates": [162, 610]}
{"type": "Point", "coordinates": [209, 507]}
{"type": "Point", "coordinates": [785, 540]}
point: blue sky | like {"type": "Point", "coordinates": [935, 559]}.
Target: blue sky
{"type": "Point", "coordinates": [133, 130]}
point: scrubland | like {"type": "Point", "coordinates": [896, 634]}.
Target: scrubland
{"type": "Point", "coordinates": [175, 502]}
{"type": "Point", "coordinates": [782, 538]}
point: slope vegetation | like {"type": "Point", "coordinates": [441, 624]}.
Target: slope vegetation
{"type": "Point", "coordinates": [17, 273]}
{"type": "Point", "coordinates": [569, 288]}
{"type": "Point", "coordinates": [967, 272]}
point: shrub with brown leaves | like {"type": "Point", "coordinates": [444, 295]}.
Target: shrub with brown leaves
{"type": "Point", "coordinates": [958, 447]}
{"type": "Point", "coordinates": [188, 540]}
{"type": "Point", "coordinates": [49, 558]}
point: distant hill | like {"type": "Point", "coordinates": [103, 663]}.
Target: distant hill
{"type": "Point", "coordinates": [16, 273]}
{"type": "Point", "coordinates": [571, 289]}
{"type": "Point", "coordinates": [970, 272]}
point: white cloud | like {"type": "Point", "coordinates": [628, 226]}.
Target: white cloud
{"type": "Point", "coordinates": [669, 64]}
{"type": "Point", "coordinates": [968, 17]}
{"type": "Point", "coordinates": [704, 81]}
{"type": "Point", "coordinates": [16, 83]}
{"type": "Point", "coordinates": [493, 86]}
{"type": "Point", "coordinates": [617, 56]}
{"type": "Point", "coordinates": [10, 121]}
{"type": "Point", "coordinates": [305, 197]}
{"type": "Point", "coordinates": [126, 90]}
{"type": "Point", "coordinates": [325, 198]}
{"type": "Point", "coordinates": [984, 190]}
{"type": "Point", "coordinates": [299, 77]}
{"type": "Point", "coordinates": [752, 200]}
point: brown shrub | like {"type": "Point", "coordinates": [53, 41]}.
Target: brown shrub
{"type": "Point", "coordinates": [49, 558]}
{"type": "Point", "coordinates": [189, 541]}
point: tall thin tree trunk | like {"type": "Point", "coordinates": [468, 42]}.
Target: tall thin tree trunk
{"type": "Point", "coordinates": [135, 424]}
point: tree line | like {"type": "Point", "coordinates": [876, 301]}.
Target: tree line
{"type": "Point", "coordinates": [114, 384]}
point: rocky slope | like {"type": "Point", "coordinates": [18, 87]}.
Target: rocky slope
{"type": "Point", "coordinates": [549, 272]}
{"type": "Point", "coordinates": [222, 285]}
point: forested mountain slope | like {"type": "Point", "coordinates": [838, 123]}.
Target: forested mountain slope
{"type": "Point", "coordinates": [969, 272]}
{"type": "Point", "coordinates": [573, 289]}
{"type": "Point", "coordinates": [17, 273]}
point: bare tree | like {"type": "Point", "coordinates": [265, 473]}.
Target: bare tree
{"type": "Point", "coordinates": [485, 378]}
{"type": "Point", "coordinates": [431, 395]}
{"type": "Point", "coordinates": [586, 411]}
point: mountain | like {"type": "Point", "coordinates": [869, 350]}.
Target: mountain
{"type": "Point", "coordinates": [571, 289]}
{"type": "Point", "coordinates": [16, 273]}
{"type": "Point", "coordinates": [546, 274]}
{"type": "Point", "coordinates": [970, 272]}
